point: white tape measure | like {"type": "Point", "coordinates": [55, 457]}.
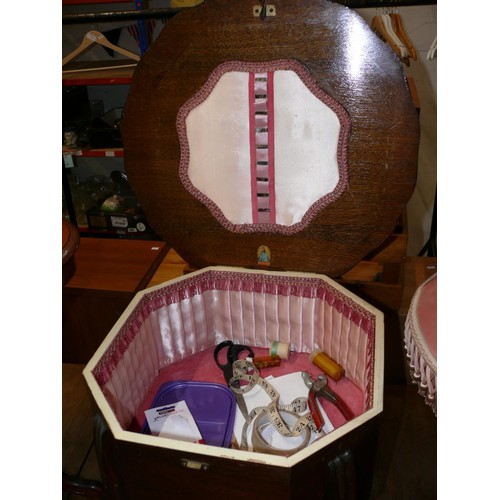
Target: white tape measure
{"type": "Point", "coordinates": [285, 419]}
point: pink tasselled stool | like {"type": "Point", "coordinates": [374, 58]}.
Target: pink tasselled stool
{"type": "Point", "coordinates": [420, 339]}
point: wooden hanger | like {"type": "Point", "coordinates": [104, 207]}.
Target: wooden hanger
{"type": "Point", "coordinates": [393, 36]}
{"type": "Point", "coordinates": [96, 37]}
{"type": "Point", "coordinates": [398, 25]}
{"type": "Point", "coordinates": [383, 27]}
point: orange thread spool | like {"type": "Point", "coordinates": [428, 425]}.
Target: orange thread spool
{"type": "Point", "coordinates": [327, 364]}
{"type": "Point", "coordinates": [266, 361]}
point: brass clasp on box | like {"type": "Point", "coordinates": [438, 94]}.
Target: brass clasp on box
{"type": "Point", "coordinates": [263, 10]}
{"type": "Point", "coordinates": [192, 464]}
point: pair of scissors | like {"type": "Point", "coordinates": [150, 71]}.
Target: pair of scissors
{"type": "Point", "coordinates": [232, 355]}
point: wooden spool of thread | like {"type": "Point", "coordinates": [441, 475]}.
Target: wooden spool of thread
{"type": "Point", "coordinates": [327, 364]}
{"type": "Point", "coordinates": [280, 349]}
{"type": "Point", "coordinates": [266, 362]}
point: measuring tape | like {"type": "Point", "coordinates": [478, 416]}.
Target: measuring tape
{"type": "Point", "coordinates": [279, 416]}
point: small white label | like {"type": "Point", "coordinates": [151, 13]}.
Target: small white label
{"type": "Point", "coordinates": [68, 160]}
{"type": "Point", "coordinates": [109, 153]}
{"type": "Point", "coordinates": [173, 421]}
{"type": "Point", "coordinates": [119, 221]}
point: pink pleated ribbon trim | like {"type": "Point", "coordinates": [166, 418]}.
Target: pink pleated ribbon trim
{"type": "Point", "coordinates": [181, 319]}
{"type": "Point", "coordinates": [261, 130]}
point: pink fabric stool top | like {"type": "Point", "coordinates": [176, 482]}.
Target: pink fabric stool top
{"type": "Point", "coordinates": [421, 340]}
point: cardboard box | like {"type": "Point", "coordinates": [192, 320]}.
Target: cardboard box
{"type": "Point", "coordinates": [128, 223]}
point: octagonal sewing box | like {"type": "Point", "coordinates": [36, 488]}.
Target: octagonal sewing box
{"type": "Point", "coordinates": [273, 147]}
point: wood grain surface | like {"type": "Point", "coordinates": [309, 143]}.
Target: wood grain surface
{"type": "Point", "coordinates": [116, 265]}
{"type": "Point", "coordinates": [109, 272]}
{"type": "Point", "coordinates": [346, 59]}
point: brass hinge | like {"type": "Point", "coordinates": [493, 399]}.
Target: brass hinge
{"type": "Point", "coordinates": [264, 10]}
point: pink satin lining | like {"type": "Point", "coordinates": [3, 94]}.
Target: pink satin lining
{"type": "Point", "coordinates": [182, 319]}
{"type": "Point", "coordinates": [253, 146]}
{"type": "Point", "coordinates": [305, 163]}
{"type": "Point", "coordinates": [261, 116]}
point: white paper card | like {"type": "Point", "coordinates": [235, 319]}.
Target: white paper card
{"type": "Point", "coordinates": [173, 421]}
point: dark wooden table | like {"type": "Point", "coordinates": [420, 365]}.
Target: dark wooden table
{"type": "Point", "coordinates": [109, 272]}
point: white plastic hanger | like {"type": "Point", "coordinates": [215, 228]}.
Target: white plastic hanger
{"type": "Point", "coordinates": [96, 37]}
{"type": "Point", "coordinates": [431, 53]}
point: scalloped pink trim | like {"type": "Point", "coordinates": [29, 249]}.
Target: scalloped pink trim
{"type": "Point", "coordinates": [260, 67]}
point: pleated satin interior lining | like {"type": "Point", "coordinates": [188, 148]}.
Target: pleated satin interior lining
{"type": "Point", "coordinates": [174, 322]}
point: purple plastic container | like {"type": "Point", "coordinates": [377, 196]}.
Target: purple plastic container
{"type": "Point", "coordinates": [213, 407]}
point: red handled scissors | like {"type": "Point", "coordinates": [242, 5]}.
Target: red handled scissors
{"type": "Point", "coordinates": [319, 388]}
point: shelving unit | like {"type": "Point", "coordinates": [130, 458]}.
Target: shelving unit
{"type": "Point", "coordinates": [95, 153]}
{"type": "Point", "coordinates": [83, 162]}
{"type": "Point", "coordinates": [88, 2]}
{"type": "Point", "coordinates": [84, 166]}
{"type": "Point", "coordinates": [87, 168]}
{"type": "Point", "coordinates": [98, 76]}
